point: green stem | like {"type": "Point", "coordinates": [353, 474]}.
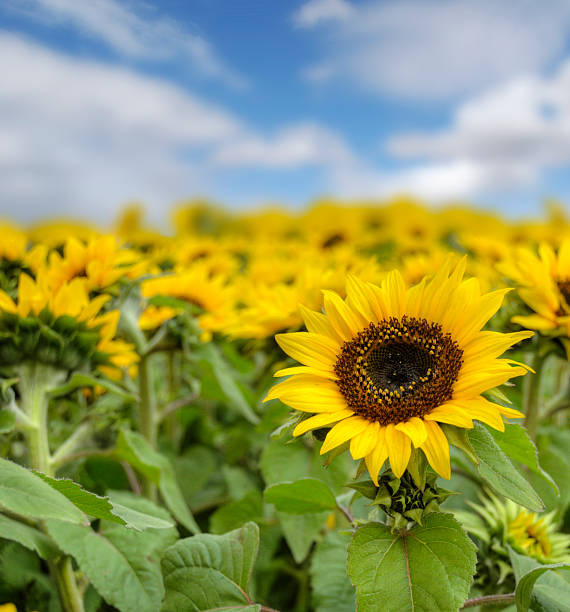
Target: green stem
{"type": "Point", "coordinates": [531, 388]}
{"type": "Point", "coordinates": [62, 454]}
{"type": "Point", "coordinates": [148, 414]}
{"type": "Point", "coordinates": [486, 600]}
{"type": "Point", "coordinates": [36, 380]}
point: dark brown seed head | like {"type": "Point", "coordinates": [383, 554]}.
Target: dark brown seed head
{"type": "Point", "coordinates": [398, 368]}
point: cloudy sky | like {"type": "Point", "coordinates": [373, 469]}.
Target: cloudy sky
{"type": "Point", "coordinates": [254, 101]}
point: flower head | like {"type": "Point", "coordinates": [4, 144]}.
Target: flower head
{"type": "Point", "coordinates": [388, 364]}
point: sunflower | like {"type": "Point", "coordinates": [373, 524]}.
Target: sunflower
{"type": "Point", "coordinates": [388, 364]}
{"type": "Point", "coordinates": [544, 286]}
{"type": "Point", "coordinates": [499, 523]}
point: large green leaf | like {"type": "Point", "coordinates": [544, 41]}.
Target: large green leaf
{"type": "Point", "coordinates": [219, 370]}
{"type": "Point", "coordinates": [142, 550]}
{"type": "Point", "coordinates": [303, 496]}
{"type": "Point", "coordinates": [517, 445]}
{"type": "Point", "coordinates": [103, 508]}
{"type": "Point", "coordinates": [539, 584]}
{"type": "Point", "coordinates": [429, 567]}
{"type": "Point", "coordinates": [24, 493]}
{"type": "Point", "coordinates": [497, 469]}
{"type": "Point", "coordinates": [331, 587]}
{"type": "Point", "coordinates": [207, 571]}
{"type": "Point", "coordinates": [109, 570]}
{"type": "Point", "coordinates": [28, 536]}
{"type": "Point", "coordinates": [134, 449]}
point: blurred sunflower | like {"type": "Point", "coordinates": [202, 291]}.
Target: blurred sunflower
{"type": "Point", "coordinates": [388, 364]}
{"type": "Point", "coordinates": [545, 287]}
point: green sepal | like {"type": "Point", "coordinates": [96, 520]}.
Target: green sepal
{"type": "Point", "coordinates": [365, 487]}
{"type": "Point", "coordinates": [417, 467]}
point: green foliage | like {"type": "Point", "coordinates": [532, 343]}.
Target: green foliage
{"type": "Point", "coordinates": [304, 496]}
{"type": "Point", "coordinates": [134, 449]}
{"type": "Point", "coordinates": [206, 571]}
{"type": "Point", "coordinates": [541, 587]}
{"type": "Point", "coordinates": [498, 470]}
{"type": "Point", "coordinates": [429, 567]}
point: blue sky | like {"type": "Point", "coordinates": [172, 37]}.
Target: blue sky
{"type": "Point", "coordinates": [250, 102]}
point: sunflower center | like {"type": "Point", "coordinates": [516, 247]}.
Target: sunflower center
{"type": "Point", "coordinates": [397, 369]}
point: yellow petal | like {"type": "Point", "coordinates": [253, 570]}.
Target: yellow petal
{"type": "Point", "coordinates": [304, 370]}
{"type": "Point", "coordinates": [7, 303]}
{"type": "Point", "coordinates": [535, 321]}
{"type": "Point", "coordinates": [321, 420]}
{"type": "Point", "coordinates": [364, 442]}
{"type": "Point", "coordinates": [483, 410]}
{"type": "Point", "coordinates": [345, 321]}
{"type": "Point", "coordinates": [436, 449]}
{"type": "Point", "coordinates": [317, 323]}
{"type": "Point", "coordinates": [415, 429]}
{"type": "Point", "coordinates": [360, 297]}
{"type": "Point", "coordinates": [342, 432]}
{"type": "Point", "coordinates": [399, 450]}
{"type": "Point", "coordinates": [396, 293]}
{"type": "Point", "coordinates": [448, 413]}
{"type": "Point", "coordinates": [313, 350]}
{"type": "Point", "coordinates": [375, 459]}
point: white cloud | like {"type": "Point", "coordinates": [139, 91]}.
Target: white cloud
{"type": "Point", "coordinates": [511, 133]}
{"type": "Point", "coordinates": [439, 49]}
{"type": "Point", "coordinates": [81, 138]}
{"type": "Point", "coordinates": [131, 33]}
{"type": "Point", "coordinates": [317, 11]}
{"type": "Point", "coordinates": [300, 145]}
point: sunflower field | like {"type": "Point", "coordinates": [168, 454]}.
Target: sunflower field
{"type": "Point", "coordinates": [353, 407]}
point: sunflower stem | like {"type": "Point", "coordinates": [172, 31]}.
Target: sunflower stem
{"type": "Point", "coordinates": [148, 415]}
{"type": "Point", "coordinates": [486, 600]}
{"type": "Point", "coordinates": [531, 389]}
{"type": "Point", "coordinates": [36, 380]}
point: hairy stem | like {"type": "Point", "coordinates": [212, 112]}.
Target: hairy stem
{"type": "Point", "coordinates": [531, 388]}
{"type": "Point", "coordinates": [148, 415]}
{"type": "Point", "coordinates": [36, 380]}
{"type": "Point", "coordinates": [489, 599]}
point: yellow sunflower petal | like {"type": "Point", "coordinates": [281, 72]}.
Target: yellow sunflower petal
{"type": "Point", "coordinates": [7, 303]}
{"type": "Point", "coordinates": [415, 429]}
{"type": "Point", "coordinates": [321, 420]}
{"type": "Point", "coordinates": [436, 449]}
{"type": "Point", "coordinates": [343, 431]}
{"type": "Point", "coordinates": [317, 323]}
{"type": "Point", "coordinates": [482, 410]}
{"type": "Point", "coordinates": [450, 414]}
{"type": "Point", "coordinates": [304, 370]}
{"type": "Point", "coordinates": [313, 350]}
{"type": "Point", "coordinates": [396, 293]}
{"type": "Point", "coordinates": [376, 458]}
{"type": "Point", "coordinates": [360, 297]}
{"type": "Point", "coordinates": [399, 450]}
{"type": "Point", "coordinates": [535, 321]}
{"type": "Point", "coordinates": [364, 442]}
{"type": "Point", "coordinates": [510, 413]}
{"type": "Point", "coordinates": [345, 321]}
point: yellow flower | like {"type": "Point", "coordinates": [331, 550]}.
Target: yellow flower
{"type": "Point", "coordinates": [544, 285]}
{"type": "Point", "coordinates": [47, 307]}
{"type": "Point", "coordinates": [388, 364]}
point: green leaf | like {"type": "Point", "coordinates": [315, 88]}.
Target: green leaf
{"type": "Point", "coordinates": [300, 531]}
{"type": "Point", "coordinates": [102, 507]}
{"type": "Point", "coordinates": [28, 536]}
{"type": "Point", "coordinates": [307, 495]}
{"type": "Point", "coordinates": [429, 567]}
{"type": "Point", "coordinates": [134, 449]}
{"type": "Point", "coordinates": [536, 583]}
{"type": "Point", "coordinates": [236, 513]}
{"type": "Point", "coordinates": [81, 380]}
{"type": "Point", "coordinates": [108, 569]}
{"type": "Point", "coordinates": [516, 444]}
{"type": "Point", "coordinates": [459, 437]}
{"type": "Point", "coordinates": [213, 362]}
{"type": "Point", "coordinates": [331, 587]}
{"type": "Point", "coordinates": [496, 468]}
{"type": "Point", "coordinates": [24, 493]}
{"type": "Point", "coordinates": [143, 550]}
{"type": "Point", "coordinates": [365, 487]}
{"type": "Point", "coordinates": [207, 571]}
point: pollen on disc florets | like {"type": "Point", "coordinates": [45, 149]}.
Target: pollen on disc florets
{"type": "Point", "coordinates": [397, 369]}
